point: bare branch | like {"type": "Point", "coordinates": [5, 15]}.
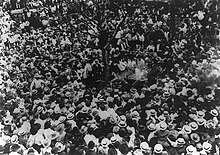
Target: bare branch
{"type": "Point", "coordinates": [116, 31]}
{"type": "Point", "coordinates": [84, 15]}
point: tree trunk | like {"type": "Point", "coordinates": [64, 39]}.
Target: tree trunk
{"type": "Point", "coordinates": [103, 39]}
{"type": "Point", "coordinates": [105, 56]}
{"type": "Point", "coordinates": [172, 18]}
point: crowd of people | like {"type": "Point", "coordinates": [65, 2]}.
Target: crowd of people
{"type": "Point", "coordinates": [163, 98]}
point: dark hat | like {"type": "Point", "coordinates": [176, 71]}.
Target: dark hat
{"type": "Point", "coordinates": [91, 145]}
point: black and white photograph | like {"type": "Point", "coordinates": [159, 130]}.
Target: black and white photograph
{"type": "Point", "coordinates": [110, 77]}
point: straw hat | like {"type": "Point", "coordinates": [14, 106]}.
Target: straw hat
{"type": "Point", "coordinates": [194, 126]}
{"type": "Point", "coordinates": [153, 112]}
{"type": "Point", "coordinates": [158, 148]}
{"type": "Point", "coordinates": [180, 141]}
{"type": "Point", "coordinates": [105, 142]}
{"type": "Point", "coordinates": [195, 137]}
{"type": "Point", "coordinates": [186, 129]}
{"type": "Point", "coordinates": [161, 118]}
{"type": "Point", "coordinates": [83, 129]}
{"type": "Point", "coordinates": [113, 139]}
{"type": "Point", "coordinates": [60, 147]}
{"type": "Point", "coordinates": [123, 118]}
{"type": "Point", "coordinates": [151, 127]}
{"type": "Point", "coordinates": [163, 125]}
{"type": "Point", "coordinates": [214, 112]}
{"type": "Point", "coordinates": [207, 146]}
{"type": "Point", "coordinates": [200, 114]}
{"type": "Point", "coordinates": [135, 114]}
{"type": "Point", "coordinates": [84, 110]}
{"type": "Point", "coordinates": [190, 149]}
{"type": "Point", "coordinates": [70, 116]}
{"type": "Point", "coordinates": [144, 146]}
{"type": "Point", "coordinates": [209, 97]}
{"type": "Point", "coordinates": [201, 121]}
{"type": "Point", "coordinates": [14, 139]}
{"type": "Point", "coordinates": [122, 124]}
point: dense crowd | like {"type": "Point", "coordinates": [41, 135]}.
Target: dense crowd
{"type": "Point", "coordinates": [160, 100]}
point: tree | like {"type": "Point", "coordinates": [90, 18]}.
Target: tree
{"type": "Point", "coordinates": [93, 19]}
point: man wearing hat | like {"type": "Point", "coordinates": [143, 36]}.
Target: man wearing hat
{"type": "Point", "coordinates": [103, 149]}
{"type": "Point", "coordinates": [145, 148]}
{"type": "Point", "coordinates": [162, 134]}
{"type": "Point", "coordinates": [91, 149]}
{"type": "Point", "coordinates": [37, 83]}
{"type": "Point", "coordinates": [159, 150]}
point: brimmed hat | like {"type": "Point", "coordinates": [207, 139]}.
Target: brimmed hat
{"type": "Point", "coordinates": [85, 110]}
{"type": "Point", "coordinates": [161, 118]}
{"type": "Point", "coordinates": [158, 148]}
{"type": "Point", "coordinates": [60, 147]}
{"type": "Point", "coordinates": [123, 118]}
{"type": "Point", "coordinates": [162, 125]}
{"type": "Point", "coordinates": [209, 97]}
{"type": "Point", "coordinates": [186, 129]}
{"type": "Point", "coordinates": [113, 139]}
{"type": "Point", "coordinates": [144, 146]}
{"type": "Point", "coordinates": [190, 149]}
{"type": "Point", "coordinates": [70, 116]}
{"type": "Point", "coordinates": [200, 114]}
{"type": "Point", "coordinates": [207, 146]}
{"type": "Point", "coordinates": [83, 129]}
{"type": "Point", "coordinates": [195, 137]}
{"type": "Point", "coordinates": [153, 112]}
{"type": "Point", "coordinates": [14, 139]}
{"type": "Point", "coordinates": [151, 127]}
{"type": "Point", "coordinates": [181, 141]}
{"type": "Point", "coordinates": [122, 124]}
{"type": "Point", "coordinates": [194, 126]}
{"type": "Point", "coordinates": [214, 112]}
{"type": "Point", "coordinates": [135, 114]}
{"type": "Point", "coordinates": [105, 142]}
{"type": "Point", "coordinates": [201, 121]}
{"type": "Point", "coordinates": [205, 137]}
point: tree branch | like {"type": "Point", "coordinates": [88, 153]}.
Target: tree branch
{"type": "Point", "coordinates": [84, 15]}
{"type": "Point", "coordinates": [116, 31]}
